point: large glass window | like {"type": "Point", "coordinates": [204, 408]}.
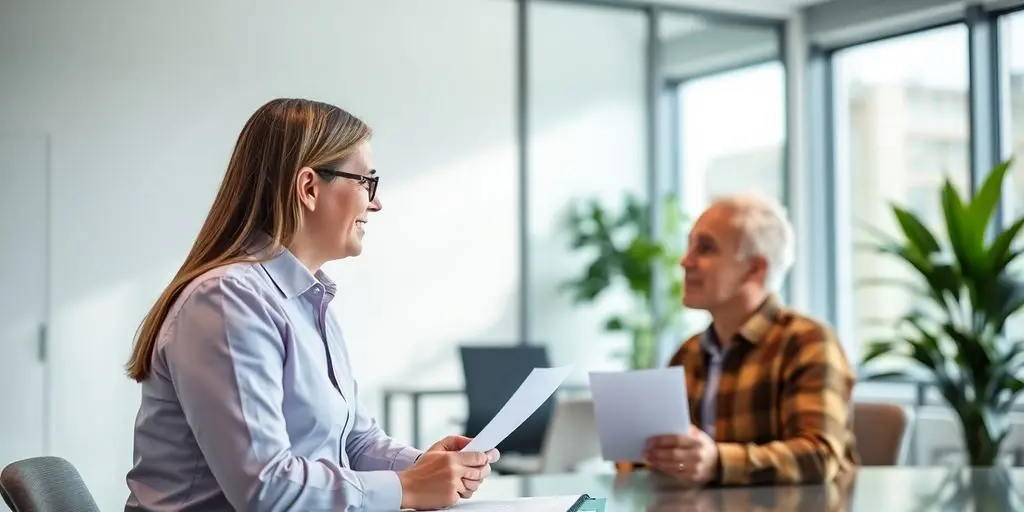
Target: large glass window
{"type": "Point", "coordinates": [732, 131]}
{"type": "Point", "coordinates": [588, 141]}
{"type": "Point", "coordinates": [1012, 49]}
{"type": "Point", "coordinates": [901, 108]}
{"type": "Point", "coordinates": [1012, 53]}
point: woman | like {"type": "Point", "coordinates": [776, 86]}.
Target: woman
{"type": "Point", "coordinates": [248, 400]}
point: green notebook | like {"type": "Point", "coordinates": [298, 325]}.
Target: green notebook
{"type": "Point", "coordinates": [587, 504]}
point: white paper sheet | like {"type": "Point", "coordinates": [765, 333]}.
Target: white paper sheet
{"type": "Point", "coordinates": [631, 407]}
{"type": "Point", "coordinates": [538, 387]}
{"type": "Point", "coordinates": [536, 504]}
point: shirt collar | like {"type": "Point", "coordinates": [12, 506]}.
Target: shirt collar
{"type": "Point", "coordinates": [292, 278]}
{"type": "Point", "coordinates": [754, 330]}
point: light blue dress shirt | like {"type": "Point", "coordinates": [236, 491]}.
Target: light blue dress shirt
{"type": "Point", "coordinates": [251, 403]}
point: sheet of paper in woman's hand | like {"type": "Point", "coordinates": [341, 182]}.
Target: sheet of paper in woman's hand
{"type": "Point", "coordinates": [532, 393]}
{"type": "Point", "coordinates": [631, 407]}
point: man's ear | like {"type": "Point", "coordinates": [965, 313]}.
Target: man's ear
{"type": "Point", "coordinates": [307, 187]}
{"type": "Point", "coordinates": [759, 269]}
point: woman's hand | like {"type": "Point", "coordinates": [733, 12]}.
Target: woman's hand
{"type": "Point", "coordinates": [457, 443]}
{"type": "Point", "coordinates": [439, 478]}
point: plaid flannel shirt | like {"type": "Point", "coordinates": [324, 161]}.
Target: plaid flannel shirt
{"type": "Point", "coordinates": [783, 402]}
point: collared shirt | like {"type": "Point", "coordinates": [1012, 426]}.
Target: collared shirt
{"type": "Point", "coordinates": [716, 355]}
{"type": "Point", "coordinates": [782, 403]}
{"type": "Point", "coordinates": [251, 403]}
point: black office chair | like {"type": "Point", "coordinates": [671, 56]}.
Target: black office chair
{"type": "Point", "coordinates": [45, 484]}
{"type": "Point", "coordinates": [492, 374]}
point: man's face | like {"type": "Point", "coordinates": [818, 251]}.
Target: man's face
{"type": "Point", "coordinates": [714, 272]}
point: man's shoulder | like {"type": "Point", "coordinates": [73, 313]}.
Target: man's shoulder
{"type": "Point", "coordinates": [689, 346]}
{"type": "Point", "coordinates": [795, 324]}
{"type": "Point", "coordinates": [806, 338]}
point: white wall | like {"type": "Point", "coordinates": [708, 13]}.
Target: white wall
{"type": "Point", "coordinates": [143, 101]}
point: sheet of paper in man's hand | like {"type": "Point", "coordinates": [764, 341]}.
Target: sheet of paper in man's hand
{"type": "Point", "coordinates": [631, 407]}
{"type": "Point", "coordinates": [538, 387]}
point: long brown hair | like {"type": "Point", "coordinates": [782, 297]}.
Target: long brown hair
{"type": "Point", "coordinates": [257, 196]}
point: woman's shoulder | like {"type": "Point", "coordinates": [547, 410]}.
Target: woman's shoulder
{"type": "Point", "coordinates": [234, 276]}
{"type": "Point", "coordinates": [236, 283]}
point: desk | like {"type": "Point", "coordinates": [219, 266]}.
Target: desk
{"type": "Point", "coordinates": [897, 489]}
{"type": "Point", "coordinates": [416, 394]}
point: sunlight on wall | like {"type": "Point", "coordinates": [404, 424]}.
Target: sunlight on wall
{"type": "Point", "coordinates": [439, 268]}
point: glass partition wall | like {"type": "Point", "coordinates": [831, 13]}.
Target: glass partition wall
{"type": "Point", "coordinates": [627, 102]}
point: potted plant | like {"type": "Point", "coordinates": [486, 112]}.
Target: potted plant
{"type": "Point", "coordinates": [621, 250]}
{"type": "Point", "coordinates": [965, 293]}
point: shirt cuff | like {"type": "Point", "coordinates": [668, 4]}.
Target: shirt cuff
{"type": "Point", "coordinates": [406, 457]}
{"type": "Point", "coordinates": [382, 490]}
{"type": "Point", "coordinates": [732, 458]}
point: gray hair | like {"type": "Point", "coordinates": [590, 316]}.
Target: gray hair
{"type": "Point", "coordinates": [765, 231]}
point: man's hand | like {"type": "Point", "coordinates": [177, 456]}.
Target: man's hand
{"type": "Point", "coordinates": [691, 458]}
{"type": "Point", "coordinates": [457, 443]}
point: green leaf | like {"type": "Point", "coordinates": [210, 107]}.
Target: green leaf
{"type": "Point", "coordinates": [987, 199]}
{"type": "Point", "coordinates": [1001, 300]}
{"type": "Point", "coordinates": [1015, 386]}
{"type": "Point", "coordinates": [921, 239]}
{"type": "Point", "coordinates": [615, 323]}
{"type": "Point", "coordinates": [879, 348]}
{"type": "Point", "coordinates": [962, 232]}
{"type": "Point", "coordinates": [1000, 253]}
{"type": "Point", "coordinates": [973, 354]}
{"type": "Point", "coordinates": [898, 375]}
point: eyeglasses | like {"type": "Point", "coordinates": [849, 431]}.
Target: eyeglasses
{"type": "Point", "coordinates": [369, 181]}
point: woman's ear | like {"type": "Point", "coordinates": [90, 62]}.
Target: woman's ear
{"type": "Point", "coordinates": [307, 187]}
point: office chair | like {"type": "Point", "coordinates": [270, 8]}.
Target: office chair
{"type": "Point", "coordinates": [45, 484]}
{"type": "Point", "coordinates": [492, 374]}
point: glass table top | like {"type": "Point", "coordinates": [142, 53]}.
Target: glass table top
{"type": "Point", "coordinates": [870, 489]}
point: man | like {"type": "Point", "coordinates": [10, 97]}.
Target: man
{"type": "Point", "coordinates": [769, 388]}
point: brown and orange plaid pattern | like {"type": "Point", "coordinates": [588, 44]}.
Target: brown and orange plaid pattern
{"type": "Point", "coordinates": [784, 401]}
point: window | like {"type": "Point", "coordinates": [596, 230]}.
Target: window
{"type": "Point", "coordinates": [901, 109]}
{"type": "Point", "coordinates": [731, 134]}
{"type": "Point", "coordinates": [1012, 53]}
{"type": "Point", "coordinates": [588, 141]}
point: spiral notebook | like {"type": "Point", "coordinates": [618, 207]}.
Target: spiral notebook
{"type": "Point", "coordinates": [569, 503]}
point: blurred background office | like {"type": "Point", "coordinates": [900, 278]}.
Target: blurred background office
{"type": "Point", "coordinates": [493, 118]}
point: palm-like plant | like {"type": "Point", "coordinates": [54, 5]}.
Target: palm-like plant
{"type": "Point", "coordinates": [622, 250]}
{"type": "Point", "coordinates": [956, 332]}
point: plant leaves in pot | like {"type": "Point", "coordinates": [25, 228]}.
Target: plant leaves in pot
{"type": "Point", "coordinates": [965, 291]}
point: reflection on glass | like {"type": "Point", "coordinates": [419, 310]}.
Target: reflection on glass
{"type": "Point", "coordinates": [901, 129]}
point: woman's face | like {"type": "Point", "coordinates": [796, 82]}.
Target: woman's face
{"type": "Point", "coordinates": [340, 209]}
